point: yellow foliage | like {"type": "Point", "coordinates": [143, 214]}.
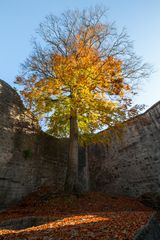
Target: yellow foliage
{"type": "Point", "coordinates": [82, 81]}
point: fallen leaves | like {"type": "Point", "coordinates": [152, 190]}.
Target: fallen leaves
{"type": "Point", "coordinates": [90, 216]}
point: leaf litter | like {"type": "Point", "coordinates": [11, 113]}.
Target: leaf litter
{"type": "Point", "coordinates": [91, 215]}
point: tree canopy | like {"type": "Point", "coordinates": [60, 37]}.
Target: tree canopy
{"type": "Point", "coordinates": [86, 68]}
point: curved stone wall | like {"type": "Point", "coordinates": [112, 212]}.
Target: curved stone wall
{"type": "Point", "coordinates": [28, 157]}
{"type": "Point", "coordinates": [129, 164]}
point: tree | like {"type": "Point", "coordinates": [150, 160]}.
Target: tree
{"type": "Point", "coordinates": [82, 79]}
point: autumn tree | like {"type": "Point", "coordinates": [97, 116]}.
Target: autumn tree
{"type": "Point", "coordinates": [81, 78]}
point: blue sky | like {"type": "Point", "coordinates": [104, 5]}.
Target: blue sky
{"type": "Point", "coordinates": [19, 20]}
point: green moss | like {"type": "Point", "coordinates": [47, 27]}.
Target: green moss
{"type": "Point", "coordinates": [27, 153]}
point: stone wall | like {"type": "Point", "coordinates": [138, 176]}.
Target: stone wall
{"type": "Point", "coordinates": [29, 158]}
{"type": "Point", "coordinates": [129, 164]}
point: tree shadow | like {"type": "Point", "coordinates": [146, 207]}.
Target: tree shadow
{"type": "Point", "coordinates": [25, 222]}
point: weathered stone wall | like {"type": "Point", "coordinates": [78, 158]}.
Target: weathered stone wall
{"type": "Point", "coordinates": [28, 157]}
{"type": "Point", "coordinates": [129, 164]}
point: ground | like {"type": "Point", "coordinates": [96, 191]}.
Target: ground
{"type": "Point", "coordinates": [88, 216]}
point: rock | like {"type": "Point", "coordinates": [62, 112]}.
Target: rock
{"type": "Point", "coordinates": [151, 231]}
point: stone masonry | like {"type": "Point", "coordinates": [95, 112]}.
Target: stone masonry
{"type": "Point", "coordinates": [128, 165]}
{"type": "Point", "coordinates": [28, 157]}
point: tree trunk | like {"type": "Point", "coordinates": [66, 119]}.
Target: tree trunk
{"type": "Point", "coordinates": [71, 183]}
{"type": "Point", "coordinates": [86, 173]}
